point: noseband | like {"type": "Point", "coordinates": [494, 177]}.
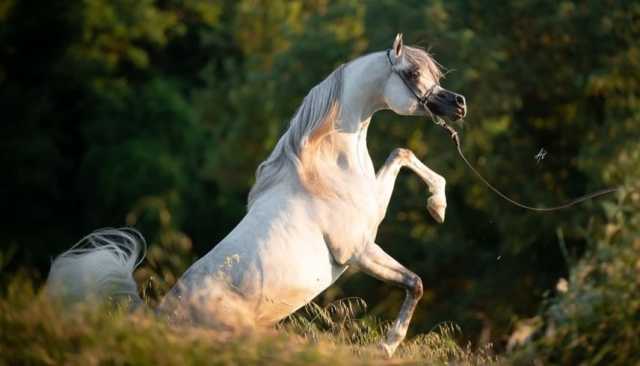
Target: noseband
{"type": "Point", "coordinates": [423, 100]}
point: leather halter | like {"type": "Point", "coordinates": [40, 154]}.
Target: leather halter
{"type": "Point", "coordinates": [424, 99]}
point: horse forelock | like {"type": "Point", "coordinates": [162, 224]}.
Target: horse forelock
{"type": "Point", "coordinates": [421, 59]}
{"type": "Point", "coordinates": [306, 138]}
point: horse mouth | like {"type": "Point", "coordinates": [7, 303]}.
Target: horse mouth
{"type": "Point", "coordinates": [459, 113]}
{"type": "Point", "coordinates": [453, 113]}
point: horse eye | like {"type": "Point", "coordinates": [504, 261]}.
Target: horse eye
{"type": "Point", "coordinates": [414, 74]}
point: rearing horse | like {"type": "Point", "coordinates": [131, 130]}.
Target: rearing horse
{"type": "Point", "coordinates": [313, 212]}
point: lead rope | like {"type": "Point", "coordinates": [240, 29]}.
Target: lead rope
{"type": "Point", "coordinates": [456, 139]}
{"type": "Point", "coordinates": [454, 135]}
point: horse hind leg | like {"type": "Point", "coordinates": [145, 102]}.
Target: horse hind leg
{"type": "Point", "coordinates": [211, 303]}
{"type": "Point", "coordinates": [375, 262]}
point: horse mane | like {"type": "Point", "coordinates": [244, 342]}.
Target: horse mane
{"type": "Point", "coordinates": [304, 140]}
{"type": "Point", "coordinates": [308, 138]}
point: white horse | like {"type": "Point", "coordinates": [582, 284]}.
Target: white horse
{"type": "Point", "coordinates": [313, 212]}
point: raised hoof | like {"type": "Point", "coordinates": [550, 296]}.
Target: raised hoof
{"type": "Point", "coordinates": [437, 204]}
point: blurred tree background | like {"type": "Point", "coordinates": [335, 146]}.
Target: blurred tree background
{"type": "Point", "coordinates": [155, 113]}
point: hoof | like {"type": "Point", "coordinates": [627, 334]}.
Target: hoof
{"type": "Point", "coordinates": [387, 349]}
{"type": "Point", "coordinates": [437, 204]}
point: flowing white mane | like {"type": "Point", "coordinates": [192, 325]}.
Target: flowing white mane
{"type": "Point", "coordinates": [313, 121]}
{"type": "Point", "coordinates": [300, 145]}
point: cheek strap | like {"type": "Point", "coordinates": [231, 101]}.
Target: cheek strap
{"type": "Point", "coordinates": [421, 99]}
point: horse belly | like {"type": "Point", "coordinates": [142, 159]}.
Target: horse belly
{"type": "Point", "coordinates": [276, 260]}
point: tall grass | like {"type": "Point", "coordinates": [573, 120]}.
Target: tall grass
{"type": "Point", "coordinates": [594, 319]}
{"type": "Point", "coordinates": [36, 332]}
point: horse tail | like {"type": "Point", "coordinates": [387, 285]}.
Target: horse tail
{"type": "Point", "coordinates": [99, 267]}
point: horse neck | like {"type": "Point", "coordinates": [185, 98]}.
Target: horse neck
{"type": "Point", "coordinates": [361, 97]}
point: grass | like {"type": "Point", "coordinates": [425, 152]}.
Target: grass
{"type": "Point", "coordinates": [37, 332]}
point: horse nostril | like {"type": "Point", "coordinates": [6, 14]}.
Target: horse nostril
{"type": "Point", "coordinates": [460, 100]}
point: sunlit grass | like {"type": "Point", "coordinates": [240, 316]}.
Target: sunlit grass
{"type": "Point", "coordinates": [35, 331]}
{"type": "Point", "coordinates": [344, 324]}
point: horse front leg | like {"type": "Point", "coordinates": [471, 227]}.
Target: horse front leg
{"type": "Point", "coordinates": [386, 179]}
{"type": "Point", "coordinates": [375, 262]}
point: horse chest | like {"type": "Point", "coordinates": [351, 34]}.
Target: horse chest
{"type": "Point", "coordinates": [350, 221]}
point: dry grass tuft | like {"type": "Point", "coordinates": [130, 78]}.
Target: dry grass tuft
{"type": "Point", "coordinates": [35, 331]}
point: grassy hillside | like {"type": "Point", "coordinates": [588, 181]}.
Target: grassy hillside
{"type": "Point", "coordinates": [36, 332]}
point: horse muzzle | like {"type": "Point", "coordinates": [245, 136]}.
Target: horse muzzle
{"type": "Point", "coordinates": [447, 104]}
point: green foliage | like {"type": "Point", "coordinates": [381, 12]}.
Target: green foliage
{"type": "Point", "coordinates": [156, 114]}
{"type": "Point", "coordinates": [169, 252]}
{"type": "Point", "coordinates": [594, 319]}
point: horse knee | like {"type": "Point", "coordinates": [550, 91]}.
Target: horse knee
{"type": "Point", "coordinates": [401, 154]}
{"type": "Point", "coordinates": [416, 287]}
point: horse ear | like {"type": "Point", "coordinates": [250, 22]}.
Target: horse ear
{"type": "Point", "coordinates": [397, 45]}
